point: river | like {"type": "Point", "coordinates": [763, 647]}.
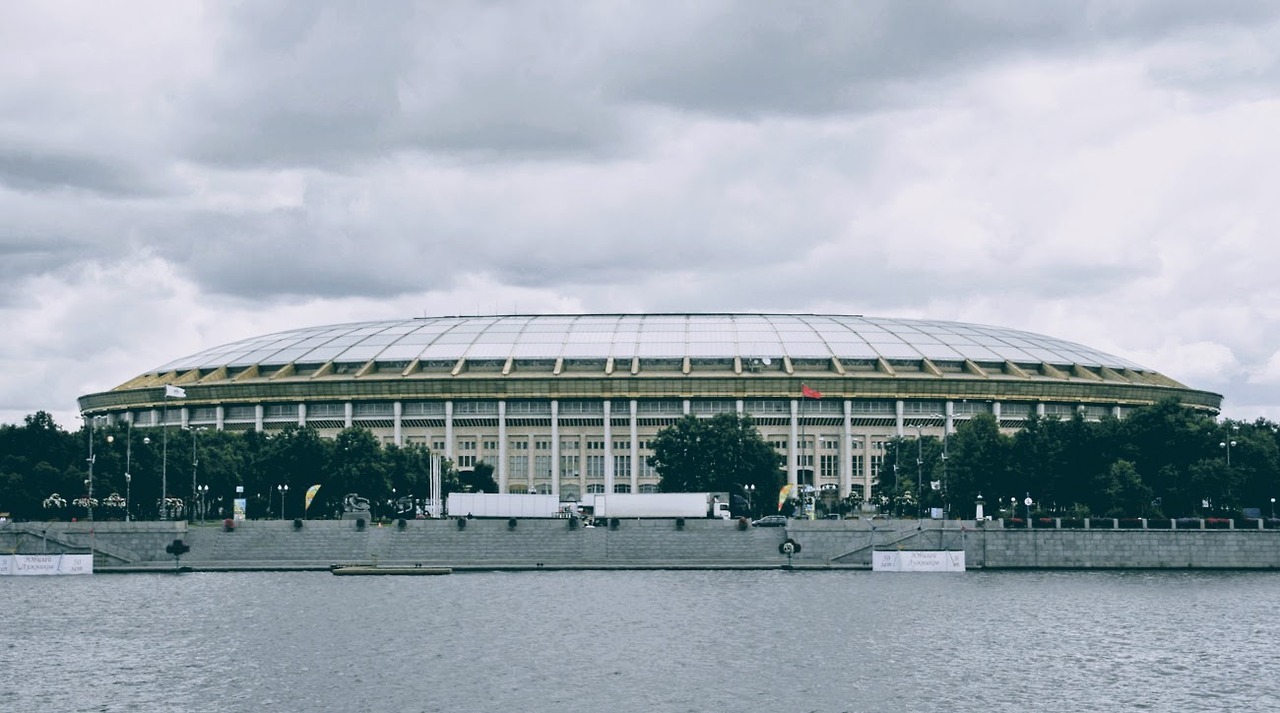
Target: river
{"type": "Point", "coordinates": [642, 641]}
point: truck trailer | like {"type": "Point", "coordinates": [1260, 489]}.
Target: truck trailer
{"type": "Point", "coordinates": [633, 505]}
{"type": "Point", "coordinates": [503, 505]}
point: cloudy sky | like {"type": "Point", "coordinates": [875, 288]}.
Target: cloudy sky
{"type": "Point", "coordinates": [177, 175]}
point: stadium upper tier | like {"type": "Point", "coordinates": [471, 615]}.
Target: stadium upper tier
{"type": "Point", "coordinates": [638, 355]}
{"type": "Point", "coordinates": [656, 336]}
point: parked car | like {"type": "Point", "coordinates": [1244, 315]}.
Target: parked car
{"type": "Point", "coordinates": [770, 521]}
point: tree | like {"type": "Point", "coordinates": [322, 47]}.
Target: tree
{"type": "Point", "coordinates": [724, 453]}
{"type": "Point", "coordinates": [478, 480]}
{"type": "Point", "coordinates": [977, 459]}
{"type": "Point", "coordinates": [357, 466]}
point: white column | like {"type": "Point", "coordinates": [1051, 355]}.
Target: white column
{"type": "Point", "coordinates": [1040, 409]}
{"type": "Point", "coordinates": [897, 409]}
{"type": "Point", "coordinates": [866, 467]}
{"type": "Point", "coordinates": [257, 417]}
{"type": "Point", "coordinates": [995, 410]}
{"type": "Point", "coordinates": [608, 446]}
{"type": "Point", "coordinates": [738, 406]}
{"type": "Point", "coordinates": [685, 406]}
{"type": "Point", "coordinates": [185, 415]}
{"type": "Point", "coordinates": [397, 411]}
{"type": "Point", "coordinates": [502, 447]}
{"type": "Point", "coordinates": [846, 449]}
{"type": "Point", "coordinates": [219, 415]}
{"type": "Point", "coordinates": [793, 453]}
{"type": "Point", "coordinates": [555, 447]}
{"type": "Point", "coordinates": [948, 425]}
{"type": "Point", "coordinates": [302, 415]}
{"type": "Point", "coordinates": [448, 430]}
{"type": "Point", "coordinates": [635, 450]}
{"type": "Point", "coordinates": [348, 414]}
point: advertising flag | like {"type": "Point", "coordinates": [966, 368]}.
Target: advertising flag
{"type": "Point", "coordinates": [782, 495]}
{"type": "Point", "coordinates": [311, 493]}
{"type": "Point", "coordinates": [809, 393]}
{"type": "Point", "coordinates": [174, 392]}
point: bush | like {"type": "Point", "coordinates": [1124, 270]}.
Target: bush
{"type": "Point", "coordinates": [1272, 523]}
{"type": "Point", "coordinates": [1101, 523]}
{"type": "Point", "coordinates": [229, 525]}
{"type": "Point", "coordinates": [1046, 523]}
{"type": "Point", "coordinates": [297, 523]}
{"type": "Point", "coordinates": [1072, 523]}
{"type": "Point", "coordinates": [1131, 523]}
{"type": "Point", "coordinates": [360, 523]}
{"type": "Point", "coordinates": [1217, 523]}
{"type": "Point", "coordinates": [1188, 523]}
{"type": "Point", "coordinates": [1159, 523]}
{"type": "Point", "coordinates": [511, 523]}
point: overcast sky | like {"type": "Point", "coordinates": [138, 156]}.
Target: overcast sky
{"type": "Point", "coordinates": [177, 175]}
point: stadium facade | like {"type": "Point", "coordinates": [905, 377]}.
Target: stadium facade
{"type": "Point", "coordinates": [566, 404]}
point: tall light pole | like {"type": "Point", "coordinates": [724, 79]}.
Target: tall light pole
{"type": "Point", "coordinates": [195, 462]}
{"type": "Point", "coordinates": [88, 483]}
{"type": "Point", "coordinates": [146, 441]}
{"type": "Point", "coordinates": [174, 392]}
{"type": "Point", "coordinates": [919, 472]}
{"type": "Point", "coordinates": [283, 490]}
{"type": "Point", "coordinates": [128, 461]}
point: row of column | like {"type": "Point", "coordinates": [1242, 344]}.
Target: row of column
{"type": "Point", "coordinates": [797, 434]}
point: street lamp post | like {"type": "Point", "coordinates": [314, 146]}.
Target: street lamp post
{"type": "Point", "coordinates": [195, 462]}
{"type": "Point", "coordinates": [919, 472]}
{"type": "Point", "coordinates": [1227, 445]}
{"type": "Point", "coordinates": [203, 490]}
{"type": "Point", "coordinates": [128, 489]}
{"type": "Point", "coordinates": [1273, 508]}
{"type": "Point", "coordinates": [283, 490]}
{"type": "Point", "coordinates": [146, 441]}
{"type": "Point", "coordinates": [88, 483]}
{"type": "Point", "coordinates": [1028, 502]}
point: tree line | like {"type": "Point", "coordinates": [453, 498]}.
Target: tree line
{"type": "Point", "coordinates": [1163, 460]}
{"type": "Point", "coordinates": [38, 459]}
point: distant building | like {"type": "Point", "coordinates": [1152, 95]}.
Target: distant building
{"type": "Point", "coordinates": [566, 404]}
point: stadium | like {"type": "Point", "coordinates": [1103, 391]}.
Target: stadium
{"type": "Point", "coordinates": [566, 404]}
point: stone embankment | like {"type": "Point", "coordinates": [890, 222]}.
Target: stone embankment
{"type": "Point", "coordinates": [694, 544]}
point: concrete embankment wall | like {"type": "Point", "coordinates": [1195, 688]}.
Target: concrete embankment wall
{"type": "Point", "coordinates": [648, 543]}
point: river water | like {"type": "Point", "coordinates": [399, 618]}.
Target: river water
{"type": "Point", "coordinates": [625, 641]}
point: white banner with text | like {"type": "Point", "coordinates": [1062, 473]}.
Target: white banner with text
{"type": "Point", "coordinates": [46, 564]}
{"type": "Point", "coordinates": [918, 561]}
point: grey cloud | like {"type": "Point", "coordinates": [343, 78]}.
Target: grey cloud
{"type": "Point", "coordinates": [328, 83]}
{"type": "Point", "coordinates": [797, 59]}
{"type": "Point", "coordinates": [39, 170]}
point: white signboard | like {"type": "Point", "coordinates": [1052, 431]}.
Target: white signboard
{"type": "Point", "coordinates": [918, 561]}
{"type": "Point", "coordinates": [46, 564]}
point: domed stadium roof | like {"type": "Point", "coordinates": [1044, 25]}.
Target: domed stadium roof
{"type": "Point", "coordinates": [648, 336]}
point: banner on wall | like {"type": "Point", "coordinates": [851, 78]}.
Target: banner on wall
{"type": "Point", "coordinates": [237, 509]}
{"type": "Point", "coordinates": [918, 561]}
{"type": "Point", "coordinates": [46, 564]}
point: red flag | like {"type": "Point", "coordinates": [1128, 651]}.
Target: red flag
{"type": "Point", "coordinates": [809, 393]}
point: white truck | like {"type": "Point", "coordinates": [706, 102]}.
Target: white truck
{"type": "Point", "coordinates": [502, 505]}
{"type": "Point", "coordinates": [632, 505]}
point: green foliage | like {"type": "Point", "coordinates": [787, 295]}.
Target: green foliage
{"type": "Point", "coordinates": [1162, 460]}
{"type": "Point", "coordinates": [478, 480]}
{"type": "Point", "coordinates": [725, 453]}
